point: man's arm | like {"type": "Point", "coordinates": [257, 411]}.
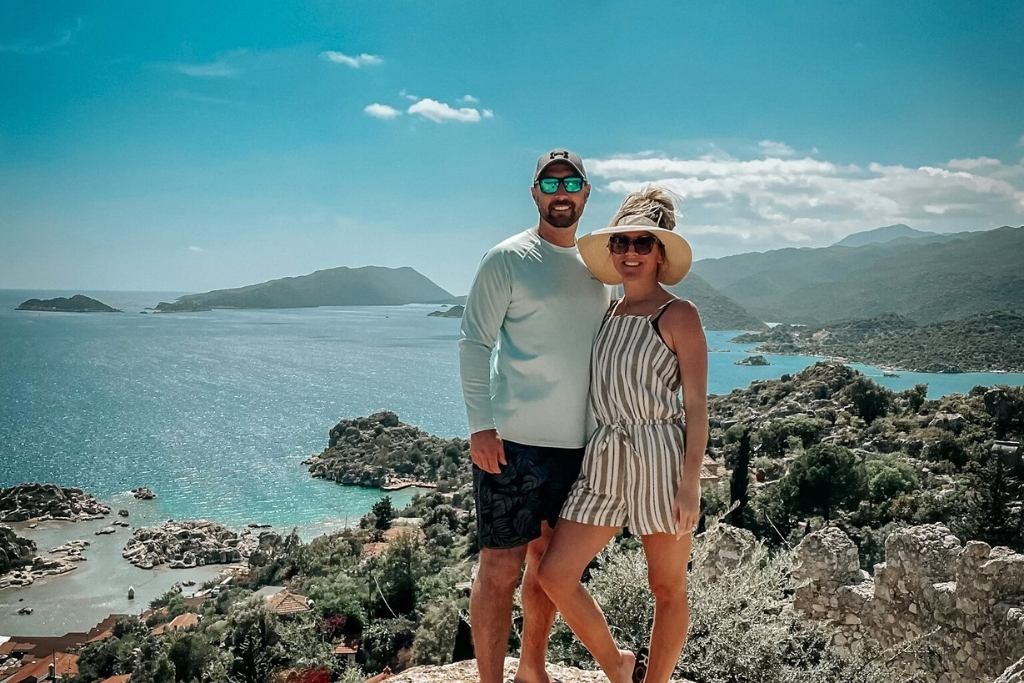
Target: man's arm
{"type": "Point", "coordinates": [486, 306]}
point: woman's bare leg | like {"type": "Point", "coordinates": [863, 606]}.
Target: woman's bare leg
{"type": "Point", "coordinates": [572, 548]}
{"type": "Point", "coordinates": [666, 573]}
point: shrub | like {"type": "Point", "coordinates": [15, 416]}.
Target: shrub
{"type": "Point", "coordinates": [824, 479]}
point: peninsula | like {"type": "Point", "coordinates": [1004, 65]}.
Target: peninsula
{"type": "Point", "coordinates": [984, 342]}
{"type": "Point", "coordinates": [79, 303]}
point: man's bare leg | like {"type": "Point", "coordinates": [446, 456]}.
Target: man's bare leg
{"type": "Point", "coordinates": [490, 608]}
{"type": "Point", "coordinates": [538, 614]}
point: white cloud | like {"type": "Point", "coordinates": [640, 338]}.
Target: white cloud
{"type": "Point", "coordinates": [218, 69]}
{"type": "Point", "coordinates": [353, 61]}
{"type": "Point", "coordinates": [772, 148]}
{"type": "Point", "coordinates": [736, 205]}
{"type": "Point", "coordinates": [972, 164]}
{"type": "Point", "coordinates": [407, 95]}
{"type": "Point", "coordinates": [381, 111]}
{"type": "Point", "coordinates": [31, 48]}
{"type": "Point", "coordinates": [195, 249]}
{"type": "Point", "coordinates": [439, 112]}
{"type": "Point", "coordinates": [226, 65]}
{"type": "Point", "coordinates": [468, 99]}
{"type": "Point", "coordinates": [487, 114]}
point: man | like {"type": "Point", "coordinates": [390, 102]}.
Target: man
{"type": "Point", "coordinates": [538, 305]}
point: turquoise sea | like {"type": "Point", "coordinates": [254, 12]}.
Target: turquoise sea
{"type": "Point", "coordinates": [215, 412]}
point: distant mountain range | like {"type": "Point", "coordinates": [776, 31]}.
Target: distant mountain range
{"type": "Point", "coordinates": [884, 234]}
{"type": "Point", "coordinates": [927, 278]}
{"type": "Point", "coordinates": [366, 286]}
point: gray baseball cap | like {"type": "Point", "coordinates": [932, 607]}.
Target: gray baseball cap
{"type": "Point", "coordinates": [559, 156]}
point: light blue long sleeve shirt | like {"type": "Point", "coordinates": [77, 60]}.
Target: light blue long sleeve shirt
{"type": "Point", "coordinates": [538, 308]}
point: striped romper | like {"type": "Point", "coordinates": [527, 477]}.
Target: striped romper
{"type": "Point", "coordinates": [632, 465]}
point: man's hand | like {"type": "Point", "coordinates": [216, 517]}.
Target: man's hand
{"type": "Point", "coordinates": [487, 451]}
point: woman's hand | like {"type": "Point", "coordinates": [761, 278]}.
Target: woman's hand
{"type": "Point", "coordinates": [686, 508]}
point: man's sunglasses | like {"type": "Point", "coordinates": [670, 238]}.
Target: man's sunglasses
{"type": "Point", "coordinates": [550, 185]}
{"type": "Point", "coordinates": [619, 244]}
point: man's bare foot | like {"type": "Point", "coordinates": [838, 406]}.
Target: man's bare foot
{"type": "Point", "coordinates": [625, 672]}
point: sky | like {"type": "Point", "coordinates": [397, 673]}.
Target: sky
{"type": "Point", "coordinates": [189, 146]}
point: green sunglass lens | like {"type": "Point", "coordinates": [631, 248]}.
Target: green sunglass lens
{"type": "Point", "coordinates": [550, 185]}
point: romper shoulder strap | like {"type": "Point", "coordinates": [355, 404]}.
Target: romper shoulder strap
{"type": "Point", "coordinates": [657, 316]}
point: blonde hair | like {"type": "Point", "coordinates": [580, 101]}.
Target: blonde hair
{"type": "Point", "coordinates": [652, 201]}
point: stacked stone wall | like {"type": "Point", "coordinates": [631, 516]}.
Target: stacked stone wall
{"type": "Point", "coordinates": [965, 602]}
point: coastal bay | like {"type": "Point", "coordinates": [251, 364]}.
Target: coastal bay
{"type": "Point", "coordinates": [216, 412]}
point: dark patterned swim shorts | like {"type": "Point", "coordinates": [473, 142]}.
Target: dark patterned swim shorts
{"type": "Point", "coordinates": [530, 489]}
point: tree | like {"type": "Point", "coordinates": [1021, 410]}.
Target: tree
{"type": "Point", "coordinates": [341, 595]}
{"type": "Point", "coordinates": [384, 513]}
{"type": "Point", "coordinates": [254, 643]}
{"type": "Point", "coordinates": [823, 479]}
{"type": "Point", "coordinates": [740, 480]}
{"type": "Point", "coordinates": [869, 400]}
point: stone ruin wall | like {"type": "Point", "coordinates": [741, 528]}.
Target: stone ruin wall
{"type": "Point", "coordinates": [971, 596]}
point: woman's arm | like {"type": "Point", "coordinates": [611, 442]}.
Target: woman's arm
{"type": "Point", "coordinates": [685, 336]}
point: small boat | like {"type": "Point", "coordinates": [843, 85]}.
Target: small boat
{"type": "Point", "coordinates": [889, 373]}
{"type": "Point", "coordinates": [131, 592]}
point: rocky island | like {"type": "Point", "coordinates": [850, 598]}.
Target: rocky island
{"type": "Point", "coordinates": [29, 502]}
{"type": "Point", "coordinates": [455, 311]}
{"type": "Point", "coordinates": [77, 304]}
{"type": "Point", "coordinates": [381, 451]}
{"type": "Point", "coordinates": [980, 343]}
{"type": "Point", "coordinates": [187, 544]}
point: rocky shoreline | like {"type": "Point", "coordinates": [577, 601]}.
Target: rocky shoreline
{"type": "Point", "coordinates": [990, 342]}
{"type": "Point", "coordinates": [21, 566]}
{"type": "Point", "coordinates": [188, 544]}
{"type": "Point", "coordinates": [40, 502]}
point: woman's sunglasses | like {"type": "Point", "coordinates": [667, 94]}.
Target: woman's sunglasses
{"type": "Point", "coordinates": [550, 185]}
{"type": "Point", "coordinates": [619, 244]}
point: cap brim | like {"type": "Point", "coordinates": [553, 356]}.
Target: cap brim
{"type": "Point", "coordinates": [593, 249]}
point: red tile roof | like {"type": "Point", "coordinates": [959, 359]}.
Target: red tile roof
{"type": "Point", "coordinates": [66, 664]}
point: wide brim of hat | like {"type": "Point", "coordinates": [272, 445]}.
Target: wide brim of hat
{"type": "Point", "coordinates": [594, 251]}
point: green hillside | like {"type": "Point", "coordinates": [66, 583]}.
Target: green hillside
{"type": "Point", "coordinates": [925, 279]}
{"type": "Point", "coordinates": [717, 312]}
{"type": "Point", "coordinates": [367, 286]}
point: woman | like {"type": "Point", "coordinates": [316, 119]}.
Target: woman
{"type": "Point", "coordinates": [642, 465]}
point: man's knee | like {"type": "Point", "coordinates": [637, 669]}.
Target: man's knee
{"type": "Point", "coordinates": [499, 571]}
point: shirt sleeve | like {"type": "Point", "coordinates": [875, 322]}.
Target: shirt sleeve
{"type": "Point", "coordinates": [486, 306]}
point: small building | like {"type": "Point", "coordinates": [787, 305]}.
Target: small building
{"type": "Point", "coordinates": [122, 678]}
{"type": "Point", "coordinates": [56, 667]}
{"type": "Point", "coordinates": [286, 604]}
{"type": "Point", "coordinates": [179, 623]}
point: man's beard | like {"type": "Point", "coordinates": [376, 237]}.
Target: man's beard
{"type": "Point", "coordinates": [562, 219]}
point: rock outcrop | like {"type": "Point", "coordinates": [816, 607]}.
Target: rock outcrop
{"type": "Point", "coordinates": [465, 672]}
{"type": "Point", "coordinates": [15, 551]}
{"type": "Point", "coordinates": [965, 601]}
{"type": "Point", "coordinates": [380, 449]}
{"type": "Point", "coordinates": [183, 545]}
{"type": "Point", "coordinates": [26, 502]}
{"type": "Point", "coordinates": [29, 566]}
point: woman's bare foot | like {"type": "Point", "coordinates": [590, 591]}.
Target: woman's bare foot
{"type": "Point", "coordinates": [625, 672]}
